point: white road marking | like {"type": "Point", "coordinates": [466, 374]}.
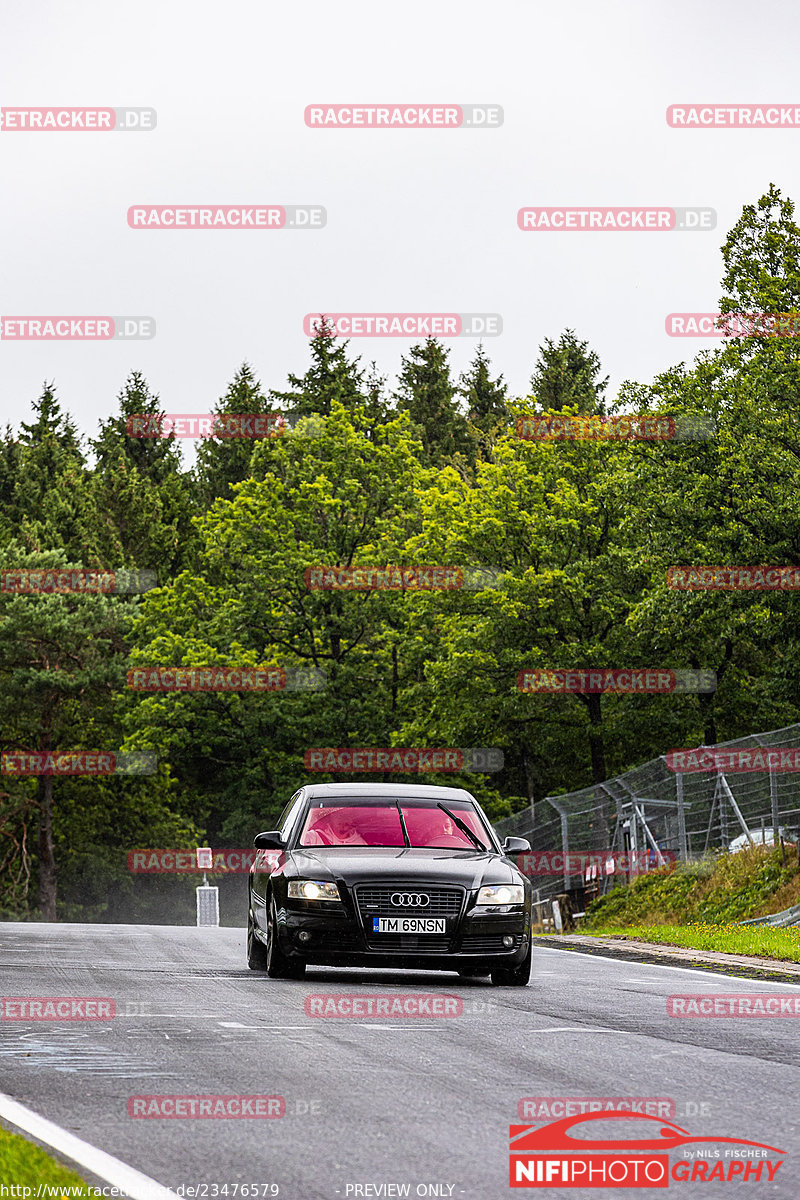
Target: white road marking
{"type": "Point", "coordinates": [373, 1025]}
{"type": "Point", "coordinates": [130, 1182]}
{"type": "Point", "coordinates": [235, 1025]}
{"type": "Point", "coordinates": [577, 1029]}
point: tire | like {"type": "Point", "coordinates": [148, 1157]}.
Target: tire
{"type": "Point", "coordinates": [256, 951]}
{"type": "Point", "coordinates": [514, 976]}
{"type": "Point", "coordinates": [278, 966]}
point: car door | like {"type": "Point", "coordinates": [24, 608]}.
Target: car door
{"type": "Point", "coordinates": [264, 863]}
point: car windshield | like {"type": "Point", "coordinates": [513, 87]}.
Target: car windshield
{"type": "Point", "coordinates": [381, 825]}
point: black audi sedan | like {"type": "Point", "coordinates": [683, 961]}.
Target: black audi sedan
{"type": "Point", "coordinates": [388, 875]}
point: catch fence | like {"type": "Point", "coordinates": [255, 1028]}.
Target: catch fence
{"type": "Point", "coordinates": [721, 798]}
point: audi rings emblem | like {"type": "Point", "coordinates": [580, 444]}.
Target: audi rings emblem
{"type": "Point", "coordinates": [410, 899]}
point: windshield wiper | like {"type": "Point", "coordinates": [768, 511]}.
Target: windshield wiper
{"type": "Point", "coordinates": [462, 825]}
{"type": "Point", "coordinates": [403, 823]}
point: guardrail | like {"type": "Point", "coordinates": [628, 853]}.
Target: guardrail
{"type": "Point", "coordinates": [780, 920]}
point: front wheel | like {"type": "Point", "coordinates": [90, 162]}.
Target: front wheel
{"type": "Point", "coordinates": [279, 966]}
{"type": "Point", "coordinates": [514, 976]}
{"type": "Point", "coordinates": [256, 951]}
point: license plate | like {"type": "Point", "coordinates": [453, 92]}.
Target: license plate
{"type": "Point", "coordinates": [408, 925]}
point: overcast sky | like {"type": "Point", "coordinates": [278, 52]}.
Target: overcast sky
{"type": "Point", "coordinates": [417, 220]}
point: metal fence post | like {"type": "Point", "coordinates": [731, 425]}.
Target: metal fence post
{"type": "Point", "coordinates": [565, 848]}
{"type": "Point", "coordinates": [683, 848]}
{"type": "Point", "coordinates": [773, 803]}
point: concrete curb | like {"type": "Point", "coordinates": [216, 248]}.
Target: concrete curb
{"type": "Point", "coordinates": [629, 950]}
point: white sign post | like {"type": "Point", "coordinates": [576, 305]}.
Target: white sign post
{"type": "Point", "coordinates": [207, 897]}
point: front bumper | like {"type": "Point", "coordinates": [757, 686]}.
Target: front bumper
{"type": "Point", "coordinates": [342, 937]}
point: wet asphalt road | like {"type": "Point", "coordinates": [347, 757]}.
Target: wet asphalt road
{"type": "Point", "coordinates": [422, 1103]}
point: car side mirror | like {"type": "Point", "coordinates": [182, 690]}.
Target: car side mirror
{"type": "Point", "coordinates": [515, 845]}
{"type": "Point", "coordinates": [271, 840]}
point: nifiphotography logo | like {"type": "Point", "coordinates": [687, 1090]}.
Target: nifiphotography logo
{"type": "Point", "coordinates": [553, 1156]}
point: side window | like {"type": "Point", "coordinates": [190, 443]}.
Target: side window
{"type": "Point", "coordinates": [290, 814]}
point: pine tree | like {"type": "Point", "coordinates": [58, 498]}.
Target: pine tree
{"type": "Point", "coordinates": [155, 458]}
{"type": "Point", "coordinates": [427, 393]}
{"type": "Point", "coordinates": [566, 375]}
{"type": "Point", "coordinates": [143, 499]}
{"type": "Point", "coordinates": [486, 400]}
{"type": "Point", "coordinates": [60, 658]}
{"type": "Point", "coordinates": [331, 376]}
{"type": "Point", "coordinates": [224, 461]}
{"type": "Point", "coordinates": [50, 507]}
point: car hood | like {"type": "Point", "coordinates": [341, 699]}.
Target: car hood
{"type": "Point", "coordinates": [381, 864]}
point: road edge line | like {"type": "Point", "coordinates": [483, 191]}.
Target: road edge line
{"type": "Point", "coordinates": [644, 958]}
{"type": "Point", "coordinates": [132, 1182]}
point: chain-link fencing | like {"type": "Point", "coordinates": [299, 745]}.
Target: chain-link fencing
{"type": "Point", "coordinates": [676, 806]}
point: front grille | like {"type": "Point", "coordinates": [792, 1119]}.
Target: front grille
{"type": "Point", "coordinates": [479, 943]}
{"type": "Point", "coordinates": [377, 901]}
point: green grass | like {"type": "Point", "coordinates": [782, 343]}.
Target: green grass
{"type": "Point", "coordinates": [759, 940]}
{"type": "Point", "coordinates": [22, 1163]}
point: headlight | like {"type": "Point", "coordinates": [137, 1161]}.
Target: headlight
{"type": "Point", "coordinates": [313, 889]}
{"type": "Point", "coordinates": [505, 893]}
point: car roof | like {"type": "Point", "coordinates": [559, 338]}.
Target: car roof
{"type": "Point", "coordinates": [423, 791]}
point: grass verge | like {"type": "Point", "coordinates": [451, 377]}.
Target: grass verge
{"type": "Point", "coordinates": [23, 1164]}
{"type": "Point", "coordinates": [759, 940]}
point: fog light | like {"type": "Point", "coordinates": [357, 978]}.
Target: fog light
{"type": "Point", "coordinates": [304, 936]}
{"type": "Point", "coordinates": [508, 941]}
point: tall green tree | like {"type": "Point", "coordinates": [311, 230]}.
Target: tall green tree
{"type": "Point", "coordinates": [50, 506]}
{"type": "Point", "coordinates": [428, 394]}
{"type": "Point", "coordinates": [223, 461]}
{"type": "Point", "coordinates": [338, 498]}
{"type": "Point", "coordinates": [143, 498]}
{"type": "Point", "coordinates": [331, 378]}
{"type": "Point", "coordinates": [566, 375]}
{"type": "Point", "coordinates": [61, 658]}
{"type": "Point", "coordinates": [761, 258]}
{"type": "Point", "coordinates": [486, 399]}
